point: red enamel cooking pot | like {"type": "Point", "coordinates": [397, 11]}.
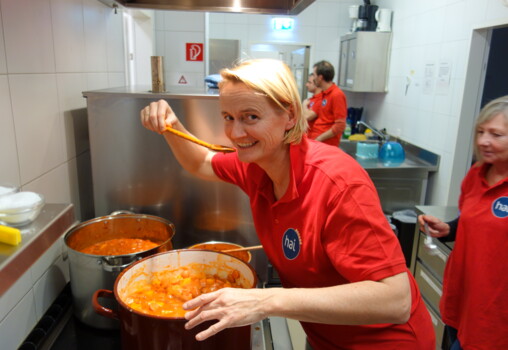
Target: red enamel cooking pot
{"type": "Point", "coordinates": [140, 331]}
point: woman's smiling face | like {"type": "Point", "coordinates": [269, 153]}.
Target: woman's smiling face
{"type": "Point", "coordinates": [253, 123]}
{"type": "Point", "coordinates": [492, 140]}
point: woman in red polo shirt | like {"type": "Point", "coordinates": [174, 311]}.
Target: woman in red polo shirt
{"type": "Point", "coordinates": [474, 304]}
{"type": "Point", "coordinates": [318, 216]}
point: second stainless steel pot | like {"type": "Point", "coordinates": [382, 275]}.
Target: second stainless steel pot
{"type": "Point", "coordinates": [91, 272]}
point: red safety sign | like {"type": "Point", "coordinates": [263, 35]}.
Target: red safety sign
{"type": "Point", "coordinates": [194, 52]}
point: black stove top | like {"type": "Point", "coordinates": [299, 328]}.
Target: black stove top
{"type": "Point", "coordinates": [76, 335]}
{"type": "Point", "coordinates": [59, 329]}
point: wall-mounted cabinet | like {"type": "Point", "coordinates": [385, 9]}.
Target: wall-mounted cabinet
{"type": "Point", "coordinates": [364, 58]}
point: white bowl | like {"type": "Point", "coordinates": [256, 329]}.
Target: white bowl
{"type": "Point", "coordinates": [19, 214]}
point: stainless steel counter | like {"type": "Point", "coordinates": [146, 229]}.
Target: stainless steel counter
{"type": "Point", "coordinates": [142, 91]}
{"type": "Point", "coordinates": [416, 158]}
{"type": "Point", "coordinates": [403, 186]}
{"type": "Point", "coordinates": [133, 168]}
{"type": "Point", "coordinates": [36, 238]}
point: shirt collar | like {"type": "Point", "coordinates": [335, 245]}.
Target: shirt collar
{"type": "Point", "coordinates": [297, 154]}
{"type": "Point", "coordinates": [329, 90]}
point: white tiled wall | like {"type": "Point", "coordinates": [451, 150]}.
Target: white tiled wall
{"type": "Point", "coordinates": [320, 26]}
{"type": "Point", "coordinates": [50, 52]}
{"type": "Point", "coordinates": [430, 32]}
{"type": "Point", "coordinates": [173, 29]}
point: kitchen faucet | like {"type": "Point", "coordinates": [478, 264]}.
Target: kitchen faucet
{"type": "Point", "coordinates": [381, 135]}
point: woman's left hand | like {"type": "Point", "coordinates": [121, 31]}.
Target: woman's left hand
{"type": "Point", "coordinates": [232, 307]}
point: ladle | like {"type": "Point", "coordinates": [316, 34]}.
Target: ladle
{"type": "Point", "coordinates": [254, 247]}
{"type": "Point", "coordinates": [217, 148]}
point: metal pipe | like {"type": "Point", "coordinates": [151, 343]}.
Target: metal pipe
{"type": "Point", "coordinates": [381, 135]}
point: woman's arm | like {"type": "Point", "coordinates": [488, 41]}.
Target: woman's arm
{"type": "Point", "coordinates": [453, 231]}
{"type": "Point", "coordinates": [366, 302]}
{"type": "Point", "coordinates": [194, 158]}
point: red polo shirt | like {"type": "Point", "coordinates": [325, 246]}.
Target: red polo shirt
{"type": "Point", "coordinates": [315, 105]}
{"type": "Point", "coordinates": [475, 283]}
{"type": "Point", "coordinates": [328, 229]}
{"type": "Point", "coordinates": [332, 115]}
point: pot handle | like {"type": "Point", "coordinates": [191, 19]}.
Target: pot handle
{"type": "Point", "coordinates": [120, 212]}
{"type": "Point", "coordinates": [109, 264]}
{"type": "Point", "coordinates": [101, 310]}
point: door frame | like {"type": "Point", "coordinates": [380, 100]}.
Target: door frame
{"type": "Point", "coordinates": [471, 103]}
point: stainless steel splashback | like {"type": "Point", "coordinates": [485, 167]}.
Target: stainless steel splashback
{"type": "Point", "coordinates": [134, 169]}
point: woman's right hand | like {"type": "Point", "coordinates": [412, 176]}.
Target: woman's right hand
{"type": "Point", "coordinates": [437, 228]}
{"type": "Point", "coordinates": [157, 115]}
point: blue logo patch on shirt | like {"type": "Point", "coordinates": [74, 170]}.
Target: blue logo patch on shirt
{"type": "Point", "coordinates": [500, 207]}
{"type": "Point", "coordinates": [323, 103]}
{"type": "Point", "coordinates": [291, 243]}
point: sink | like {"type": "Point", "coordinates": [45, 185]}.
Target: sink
{"type": "Point", "coordinates": [402, 186]}
{"type": "Point", "coordinates": [350, 146]}
{"type": "Point", "coordinates": [415, 157]}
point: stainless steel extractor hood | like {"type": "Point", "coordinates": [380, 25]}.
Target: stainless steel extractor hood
{"type": "Point", "coordinates": [280, 7]}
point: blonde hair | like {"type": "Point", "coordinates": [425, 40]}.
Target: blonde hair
{"type": "Point", "coordinates": [274, 79]}
{"type": "Point", "coordinates": [488, 112]}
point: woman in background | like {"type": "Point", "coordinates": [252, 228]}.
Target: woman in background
{"type": "Point", "coordinates": [474, 304]}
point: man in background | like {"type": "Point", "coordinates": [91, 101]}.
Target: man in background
{"type": "Point", "coordinates": [312, 104]}
{"type": "Point", "coordinates": [331, 116]}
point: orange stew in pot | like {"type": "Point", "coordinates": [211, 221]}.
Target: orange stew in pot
{"type": "Point", "coordinates": [120, 246]}
{"type": "Point", "coordinates": [167, 291]}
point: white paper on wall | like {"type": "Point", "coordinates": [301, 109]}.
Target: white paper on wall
{"type": "Point", "coordinates": [443, 78]}
{"type": "Point", "coordinates": [428, 78]}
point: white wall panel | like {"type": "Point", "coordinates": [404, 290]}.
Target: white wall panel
{"type": "Point", "coordinates": [181, 21]}
{"type": "Point", "coordinates": [8, 148]}
{"type": "Point", "coordinates": [59, 185]}
{"type": "Point", "coordinates": [115, 41]}
{"type": "Point", "coordinates": [18, 323]}
{"type": "Point", "coordinates": [3, 61]}
{"type": "Point", "coordinates": [40, 129]}
{"type": "Point", "coordinates": [69, 43]}
{"type": "Point", "coordinates": [28, 35]}
{"type": "Point", "coordinates": [95, 36]}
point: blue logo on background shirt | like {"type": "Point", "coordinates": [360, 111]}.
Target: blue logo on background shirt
{"type": "Point", "coordinates": [500, 207]}
{"type": "Point", "coordinates": [323, 103]}
{"type": "Point", "coordinates": [291, 243]}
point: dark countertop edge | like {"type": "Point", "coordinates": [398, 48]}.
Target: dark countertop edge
{"type": "Point", "coordinates": [144, 92]}
{"type": "Point", "coordinates": [54, 220]}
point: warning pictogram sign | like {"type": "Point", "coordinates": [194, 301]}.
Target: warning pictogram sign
{"type": "Point", "coordinates": [182, 80]}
